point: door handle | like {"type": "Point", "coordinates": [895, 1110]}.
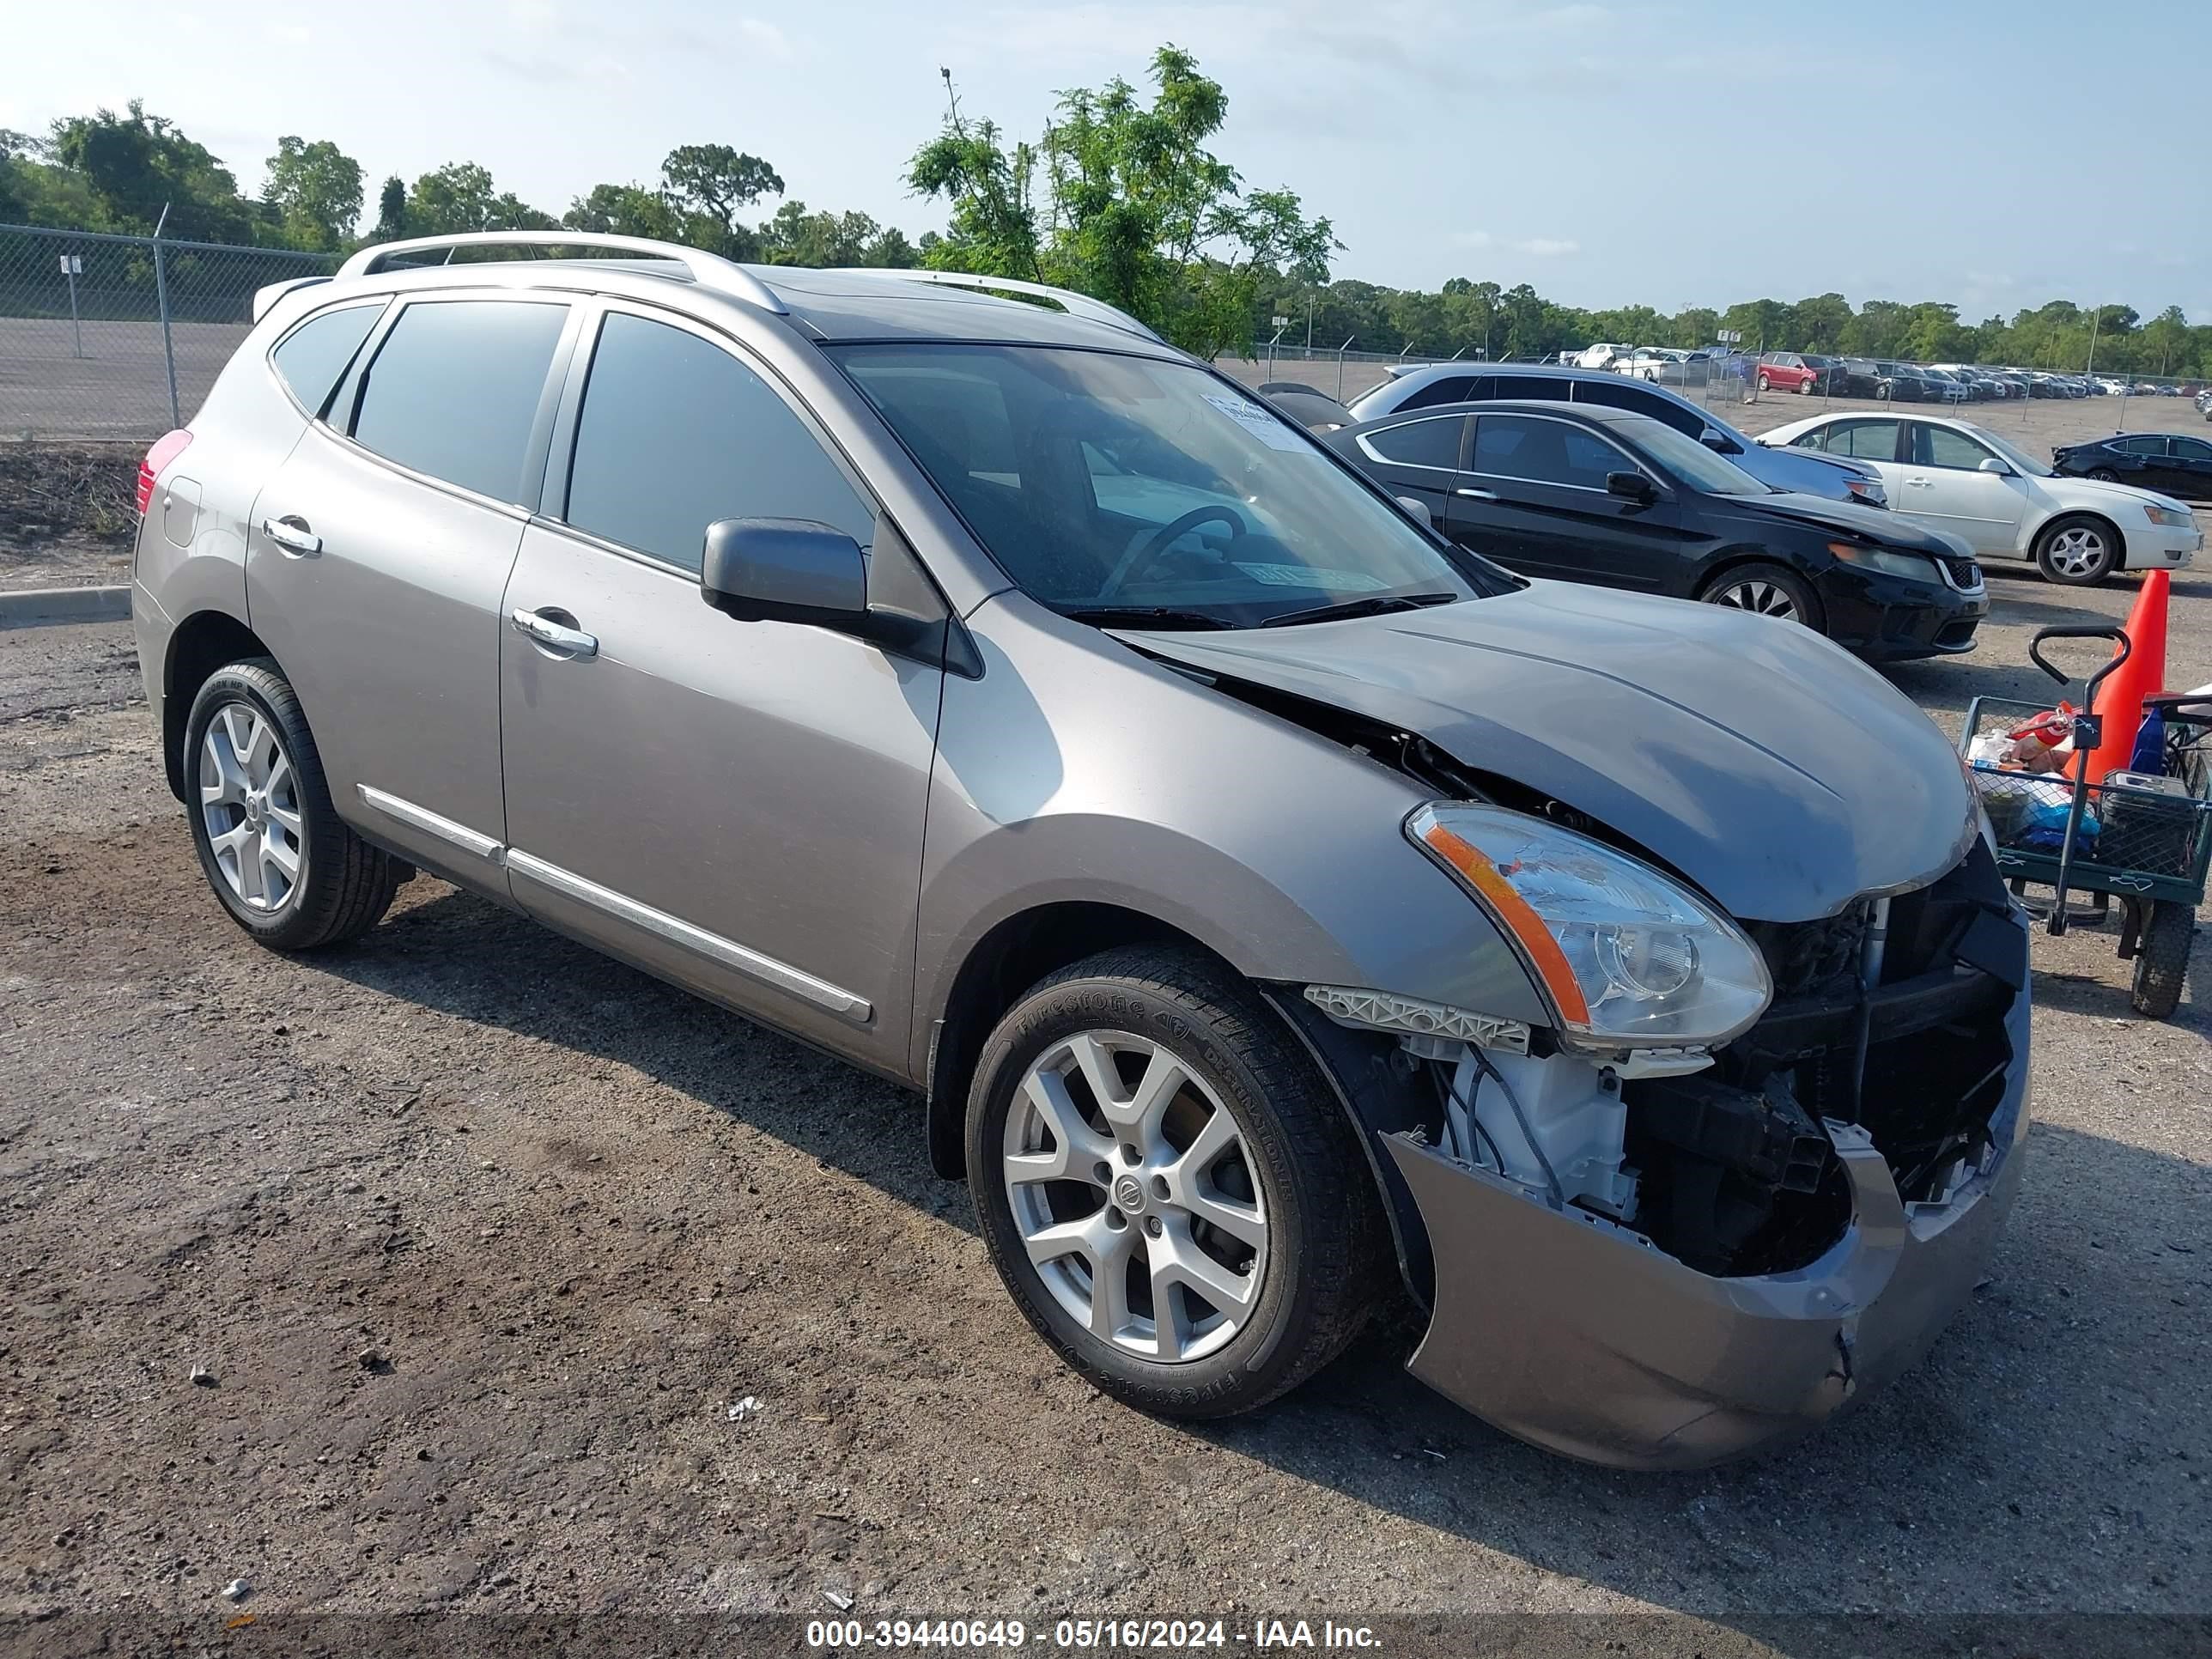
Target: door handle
{"type": "Point", "coordinates": [1477, 495]}
{"type": "Point", "coordinates": [293, 537]}
{"type": "Point", "coordinates": [555, 637]}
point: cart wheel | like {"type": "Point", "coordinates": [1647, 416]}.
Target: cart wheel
{"type": "Point", "coordinates": [2162, 958]}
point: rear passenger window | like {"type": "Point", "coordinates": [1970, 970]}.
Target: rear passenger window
{"type": "Point", "coordinates": [677, 433]}
{"type": "Point", "coordinates": [1629, 395]}
{"type": "Point", "coordinates": [454, 389]}
{"type": "Point", "coordinates": [1540, 388]}
{"type": "Point", "coordinates": [1447, 389]}
{"type": "Point", "coordinates": [1864, 440]}
{"type": "Point", "coordinates": [310, 359]}
{"type": "Point", "coordinates": [1432, 443]}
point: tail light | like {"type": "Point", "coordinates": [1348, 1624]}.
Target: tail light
{"type": "Point", "coordinates": [166, 449]}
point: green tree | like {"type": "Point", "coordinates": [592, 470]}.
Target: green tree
{"type": "Point", "coordinates": [314, 191]}
{"type": "Point", "coordinates": [135, 165]}
{"type": "Point", "coordinates": [627, 210]}
{"type": "Point", "coordinates": [710, 182]}
{"type": "Point", "coordinates": [992, 229]}
{"type": "Point", "coordinates": [460, 196]}
{"type": "Point", "coordinates": [1141, 213]}
{"type": "Point", "coordinates": [391, 211]}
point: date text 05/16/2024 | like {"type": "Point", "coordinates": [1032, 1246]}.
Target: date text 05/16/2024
{"type": "Point", "coordinates": [1088, 1635]}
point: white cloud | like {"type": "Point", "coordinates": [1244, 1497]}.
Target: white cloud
{"type": "Point", "coordinates": [1547, 247]}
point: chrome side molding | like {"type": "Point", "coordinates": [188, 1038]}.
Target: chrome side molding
{"type": "Point", "coordinates": [753, 964]}
{"type": "Point", "coordinates": [471, 841]}
{"type": "Point", "coordinates": [727, 951]}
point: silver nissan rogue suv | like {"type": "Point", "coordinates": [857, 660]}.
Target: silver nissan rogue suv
{"type": "Point", "coordinates": [1270, 900]}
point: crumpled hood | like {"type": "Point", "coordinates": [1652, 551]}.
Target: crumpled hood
{"type": "Point", "coordinates": [1778, 773]}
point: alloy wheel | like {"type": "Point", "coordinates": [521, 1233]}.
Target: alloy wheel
{"type": "Point", "coordinates": [1764, 597]}
{"type": "Point", "coordinates": [249, 802]}
{"type": "Point", "coordinates": [1133, 1187]}
{"type": "Point", "coordinates": [2078, 551]}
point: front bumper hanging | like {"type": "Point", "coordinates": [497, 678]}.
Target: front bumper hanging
{"type": "Point", "coordinates": [1567, 1331]}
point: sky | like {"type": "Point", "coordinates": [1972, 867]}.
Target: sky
{"type": "Point", "coordinates": [1992, 153]}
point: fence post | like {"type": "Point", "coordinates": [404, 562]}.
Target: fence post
{"type": "Point", "coordinates": [1348, 339]}
{"type": "Point", "coordinates": [162, 299]}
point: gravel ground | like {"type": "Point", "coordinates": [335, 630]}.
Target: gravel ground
{"type": "Point", "coordinates": [482, 1238]}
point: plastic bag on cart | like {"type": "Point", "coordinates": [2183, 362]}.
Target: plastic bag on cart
{"type": "Point", "coordinates": [2030, 812]}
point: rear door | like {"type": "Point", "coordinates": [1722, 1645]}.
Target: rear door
{"type": "Point", "coordinates": [1417, 459]}
{"type": "Point", "coordinates": [1533, 497]}
{"type": "Point", "coordinates": [2190, 467]}
{"type": "Point", "coordinates": [378, 555]}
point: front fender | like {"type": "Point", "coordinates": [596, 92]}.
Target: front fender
{"type": "Point", "coordinates": [1075, 770]}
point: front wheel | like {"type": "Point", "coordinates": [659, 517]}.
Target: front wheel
{"type": "Point", "coordinates": [1765, 590]}
{"type": "Point", "coordinates": [272, 846]}
{"type": "Point", "coordinates": [2076, 552]}
{"type": "Point", "coordinates": [2162, 958]}
{"type": "Point", "coordinates": [1166, 1185]}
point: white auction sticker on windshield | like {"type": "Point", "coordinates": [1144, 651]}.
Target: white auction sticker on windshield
{"type": "Point", "coordinates": [1305, 576]}
{"type": "Point", "coordinates": [1257, 422]}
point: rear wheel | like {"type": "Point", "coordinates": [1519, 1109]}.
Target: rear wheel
{"type": "Point", "coordinates": [1764, 385]}
{"type": "Point", "coordinates": [2076, 551]}
{"type": "Point", "coordinates": [2162, 958]}
{"type": "Point", "coordinates": [1765, 590]}
{"type": "Point", "coordinates": [1167, 1186]}
{"type": "Point", "coordinates": [271, 843]}
{"type": "Point", "coordinates": [2104, 475]}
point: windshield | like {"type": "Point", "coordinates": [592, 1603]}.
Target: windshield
{"type": "Point", "coordinates": [1694, 464]}
{"type": "Point", "coordinates": [2019, 457]}
{"type": "Point", "coordinates": [1101, 482]}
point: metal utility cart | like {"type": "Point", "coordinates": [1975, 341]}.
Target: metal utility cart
{"type": "Point", "coordinates": [2146, 842]}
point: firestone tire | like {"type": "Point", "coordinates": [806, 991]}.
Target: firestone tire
{"type": "Point", "coordinates": [2162, 958]}
{"type": "Point", "coordinates": [1317, 1238]}
{"type": "Point", "coordinates": [297, 878]}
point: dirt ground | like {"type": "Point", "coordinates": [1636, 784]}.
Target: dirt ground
{"type": "Point", "coordinates": [483, 1239]}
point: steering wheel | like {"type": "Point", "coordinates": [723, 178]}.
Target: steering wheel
{"type": "Point", "coordinates": [1145, 542]}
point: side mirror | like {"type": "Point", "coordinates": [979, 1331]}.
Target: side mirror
{"type": "Point", "coordinates": [1993, 464]}
{"type": "Point", "coordinates": [1418, 509]}
{"type": "Point", "coordinates": [1631, 486]}
{"type": "Point", "coordinates": [784, 570]}
{"type": "Point", "coordinates": [1719, 442]}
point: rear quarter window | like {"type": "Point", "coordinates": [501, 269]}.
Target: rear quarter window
{"type": "Point", "coordinates": [310, 358]}
{"type": "Point", "coordinates": [1447, 389]}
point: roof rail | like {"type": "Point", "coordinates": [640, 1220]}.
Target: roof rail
{"type": "Point", "coordinates": [1076, 305]}
{"type": "Point", "coordinates": [707, 269]}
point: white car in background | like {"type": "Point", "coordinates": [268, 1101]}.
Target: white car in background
{"type": "Point", "coordinates": [1950, 474]}
{"type": "Point", "coordinates": [1603, 355]}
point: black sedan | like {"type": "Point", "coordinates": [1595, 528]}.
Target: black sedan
{"type": "Point", "coordinates": [2167, 462]}
{"type": "Point", "coordinates": [1596, 494]}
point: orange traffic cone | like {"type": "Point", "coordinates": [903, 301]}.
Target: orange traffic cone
{"type": "Point", "coordinates": [2120, 698]}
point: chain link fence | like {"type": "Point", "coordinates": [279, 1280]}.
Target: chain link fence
{"type": "Point", "coordinates": [119, 337]}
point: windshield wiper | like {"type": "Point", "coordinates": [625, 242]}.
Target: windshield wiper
{"type": "Point", "coordinates": [1380, 604]}
{"type": "Point", "coordinates": [1142, 616]}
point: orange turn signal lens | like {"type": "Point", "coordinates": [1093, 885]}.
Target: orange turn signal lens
{"type": "Point", "coordinates": [1535, 938]}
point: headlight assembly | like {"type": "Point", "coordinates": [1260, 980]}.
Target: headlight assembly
{"type": "Point", "coordinates": [2174, 517]}
{"type": "Point", "coordinates": [1888, 560]}
{"type": "Point", "coordinates": [1626, 955]}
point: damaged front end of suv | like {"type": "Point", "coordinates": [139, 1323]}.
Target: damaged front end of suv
{"type": "Point", "coordinates": [1758, 1154]}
